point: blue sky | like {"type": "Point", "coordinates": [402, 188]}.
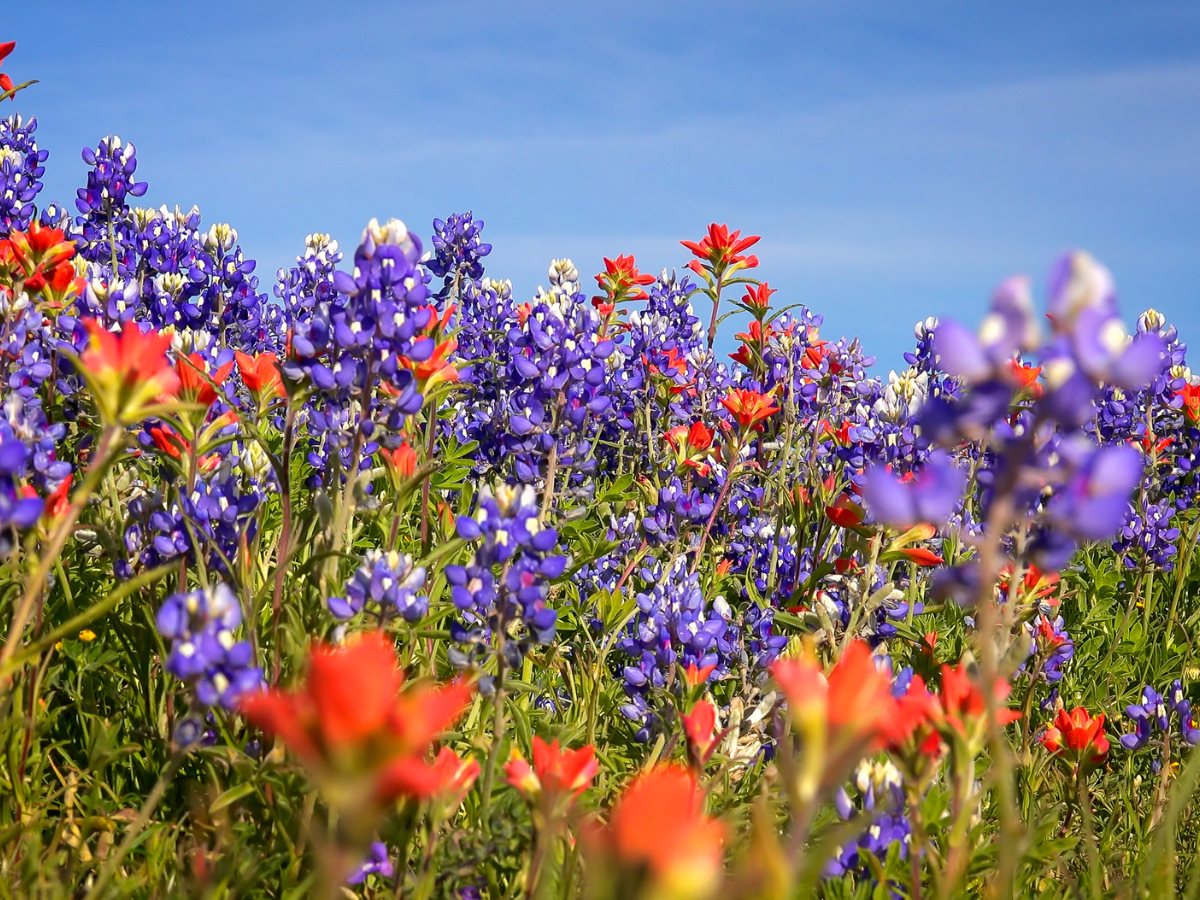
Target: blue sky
{"type": "Point", "coordinates": [899, 158]}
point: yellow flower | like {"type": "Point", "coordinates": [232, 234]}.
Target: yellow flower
{"type": "Point", "coordinates": [87, 635]}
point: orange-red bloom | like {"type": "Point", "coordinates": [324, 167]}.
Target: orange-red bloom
{"type": "Point", "coordinates": [844, 512]}
{"type": "Point", "coordinates": [260, 373]}
{"type": "Point", "coordinates": [1191, 402]}
{"type": "Point", "coordinates": [658, 828]}
{"type": "Point", "coordinates": [699, 726]}
{"type": "Point", "coordinates": [6, 84]}
{"type": "Point", "coordinates": [758, 298]}
{"type": "Point", "coordinates": [556, 774]}
{"type": "Point", "coordinates": [749, 408]}
{"type": "Point", "coordinates": [127, 371]}
{"type": "Point", "coordinates": [853, 706]}
{"type": "Point", "coordinates": [962, 702]}
{"type": "Point", "coordinates": [438, 368]}
{"type": "Point", "coordinates": [454, 775]}
{"type": "Point", "coordinates": [196, 383]}
{"type": "Point", "coordinates": [1078, 738]}
{"type": "Point", "coordinates": [1034, 582]}
{"type": "Point", "coordinates": [722, 249]}
{"type": "Point", "coordinates": [620, 281]}
{"type": "Point", "coordinates": [690, 445]}
{"type": "Point", "coordinates": [1025, 377]}
{"type": "Point", "coordinates": [351, 720]}
{"type": "Point", "coordinates": [921, 556]}
{"type": "Point", "coordinates": [401, 462]}
{"type": "Point", "coordinates": [169, 441]}
{"type": "Point", "coordinates": [43, 260]}
{"type": "Point", "coordinates": [698, 676]}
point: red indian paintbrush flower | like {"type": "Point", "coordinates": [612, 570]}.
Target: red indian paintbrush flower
{"type": "Point", "coordinates": [454, 776]}
{"type": "Point", "coordinates": [698, 676]}
{"type": "Point", "coordinates": [401, 462]}
{"type": "Point", "coordinates": [556, 774]}
{"type": "Point", "coordinates": [921, 556]}
{"type": "Point", "coordinates": [749, 408]}
{"type": "Point", "coordinates": [42, 259]}
{"type": "Point", "coordinates": [169, 441]}
{"type": "Point", "coordinates": [620, 281]}
{"type": "Point", "coordinates": [127, 373]}
{"type": "Point", "coordinates": [721, 248]}
{"type": "Point", "coordinates": [690, 445]}
{"type": "Point", "coordinates": [852, 707]}
{"type": "Point", "coordinates": [1191, 402]}
{"type": "Point", "coordinates": [6, 84]}
{"type": "Point", "coordinates": [659, 834]}
{"type": "Point", "coordinates": [962, 707]}
{"type": "Point", "coordinates": [844, 513]}
{"type": "Point", "coordinates": [260, 373]}
{"type": "Point", "coordinates": [196, 382]}
{"type": "Point", "coordinates": [363, 738]}
{"type": "Point", "coordinates": [699, 726]}
{"type": "Point", "coordinates": [1078, 738]}
{"type": "Point", "coordinates": [758, 297]}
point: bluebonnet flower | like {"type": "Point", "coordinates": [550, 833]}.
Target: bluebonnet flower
{"type": "Point", "coordinates": [110, 178]}
{"type": "Point", "coordinates": [673, 625]}
{"type": "Point", "coordinates": [375, 863]}
{"type": "Point", "coordinates": [480, 416]}
{"type": "Point", "coordinates": [387, 579]}
{"type": "Point", "coordinates": [557, 377]}
{"type": "Point", "coordinates": [211, 520]}
{"type": "Point", "coordinates": [880, 800]}
{"type": "Point", "coordinates": [506, 580]}
{"type": "Point", "coordinates": [1149, 535]}
{"type": "Point", "coordinates": [1160, 714]}
{"type": "Point", "coordinates": [458, 249]}
{"type": "Point", "coordinates": [310, 282]}
{"type": "Point", "coordinates": [204, 653]}
{"type": "Point", "coordinates": [21, 168]}
{"type": "Point", "coordinates": [358, 339]}
{"type": "Point", "coordinates": [18, 511]}
{"type": "Point", "coordinates": [931, 497]}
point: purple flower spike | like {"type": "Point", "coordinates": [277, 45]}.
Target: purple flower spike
{"type": "Point", "coordinates": [1078, 283]}
{"type": "Point", "coordinates": [375, 863]}
{"type": "Point", "coordinates": [1094, 503]}
{"type": "Point", "coordinates": [932, 496]}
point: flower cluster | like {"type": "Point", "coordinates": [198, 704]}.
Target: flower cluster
{"type": "Point", "coordinates": [204, 651]}
{"type": "Point", "coordinates": [388, 580]}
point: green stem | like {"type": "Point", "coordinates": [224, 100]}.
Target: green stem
{"type": "Point", "coordinates": [50, 553]}
{"type": "Point", "coordinates": [135, 828]}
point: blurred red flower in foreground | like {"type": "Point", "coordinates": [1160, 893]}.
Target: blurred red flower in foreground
{"type": "Point", "coordinates": [853, 706]}
{"type": "Point", "coordinates": [659, 842]}
{"type": "Point", "coordinates": [354, 728]}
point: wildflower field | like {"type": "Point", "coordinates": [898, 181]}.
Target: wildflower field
{"type": "Point", "coordinates": [389, 580]}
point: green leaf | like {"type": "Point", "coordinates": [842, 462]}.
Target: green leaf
{"type": "Point", "coordinates": [231, 796]}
